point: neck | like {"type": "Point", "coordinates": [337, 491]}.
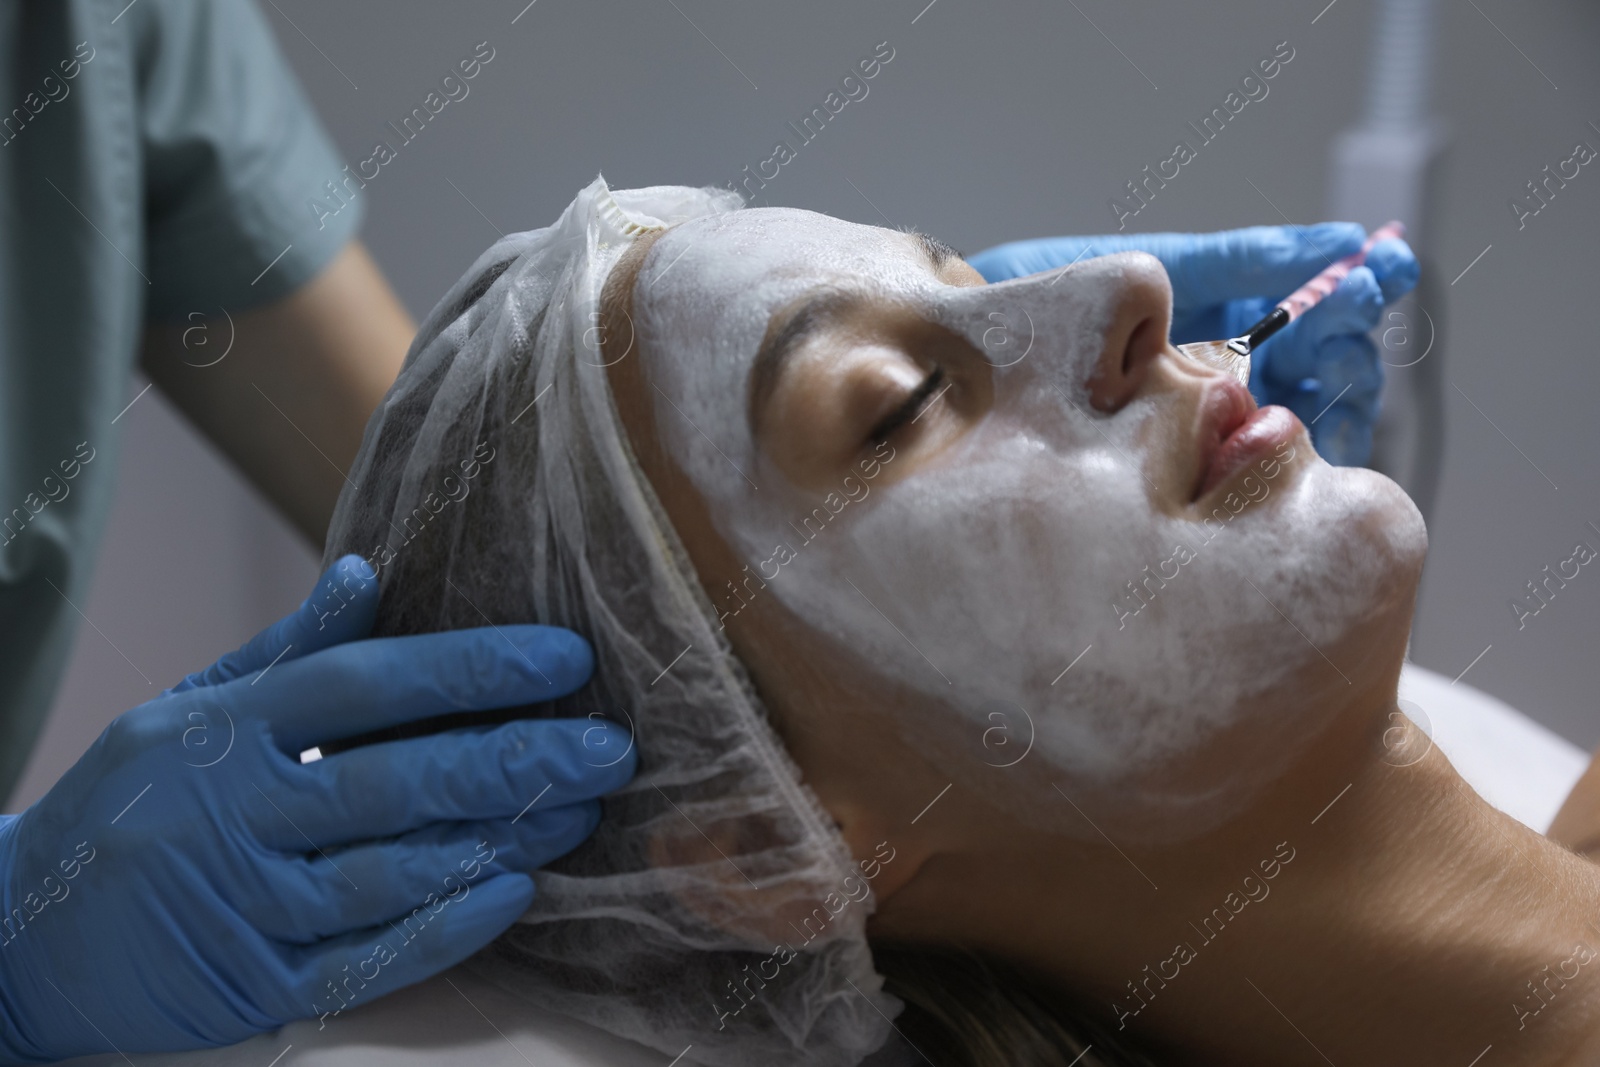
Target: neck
{"type": "Point", "coordinates": [1414, 925]}
{"type": "Point", "coordinates": [1361, 912]}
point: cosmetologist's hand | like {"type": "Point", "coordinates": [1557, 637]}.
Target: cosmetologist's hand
{"type": "Point", "coordinates": [189, 882]}
{"type": "Point", "coordinates": [1324, 366]}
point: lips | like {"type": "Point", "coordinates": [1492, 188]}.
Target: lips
{"type": "Point", "coordinates": [1233, 432]}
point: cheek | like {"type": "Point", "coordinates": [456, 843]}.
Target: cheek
{"type": "Point", "coordinates": [985, 566]}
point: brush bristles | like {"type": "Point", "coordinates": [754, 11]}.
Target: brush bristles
{"type": "Point", "coordinates": [1218, 356]}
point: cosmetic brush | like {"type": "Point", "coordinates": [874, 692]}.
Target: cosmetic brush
{"type": "Point", "coordinates": [1233, 356]}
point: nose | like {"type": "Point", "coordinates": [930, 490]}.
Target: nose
{"type": "Point", "coordinates": [1090, 331]}
{"type": "Point", "coordinates": [1139, 318]}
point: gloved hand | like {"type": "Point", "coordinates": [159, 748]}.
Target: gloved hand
{"type": "Point", "coordinates": [1324, 367]}
{"type": "Point", "coordinates": [189, 882]}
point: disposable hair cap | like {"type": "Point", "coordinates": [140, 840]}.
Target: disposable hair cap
{"type": "Point", "coordinates": [716, 905]}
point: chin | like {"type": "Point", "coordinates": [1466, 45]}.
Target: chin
{"type": "Point", "coordinates": [1387, 515]}
{"type": "Point", "coordinates": [1378, 532]}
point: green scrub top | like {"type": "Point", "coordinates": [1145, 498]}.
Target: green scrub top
{"type": "Point", "coordinates": [157, 160]}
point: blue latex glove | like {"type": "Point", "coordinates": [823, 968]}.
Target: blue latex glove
{"type": "Point", "coordinates": [1324, 367]}
{"type": "Point", "coordinates": [189, 882]}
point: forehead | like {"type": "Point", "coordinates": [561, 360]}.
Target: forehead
{"type": "Point", "coordinates": [758, 254]}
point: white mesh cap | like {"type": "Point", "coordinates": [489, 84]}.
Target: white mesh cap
{"type": "Point", "coordinates": [715, 905]}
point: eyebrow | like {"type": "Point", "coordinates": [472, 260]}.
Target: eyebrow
{"type": "Point", "coordinates": [786, 337]}
{"type": "Point", "coordinates": [937, 251]}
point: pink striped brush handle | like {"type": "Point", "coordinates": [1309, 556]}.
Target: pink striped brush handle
{"type": "Point", "coordinates": [1311, 293]}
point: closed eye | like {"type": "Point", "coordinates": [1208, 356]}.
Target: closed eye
{"type": "Point", "coordinates": [911, 409]}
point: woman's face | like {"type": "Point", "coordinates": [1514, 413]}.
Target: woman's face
{"type": "Point", "coordinates": [1077, 556]}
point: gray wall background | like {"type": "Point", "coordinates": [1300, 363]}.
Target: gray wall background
{"type": "Point", "coordinates": [994, 121]}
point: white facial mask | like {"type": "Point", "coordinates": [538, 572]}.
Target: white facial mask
{"type": "Point", "coordinates": [979, 578]}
